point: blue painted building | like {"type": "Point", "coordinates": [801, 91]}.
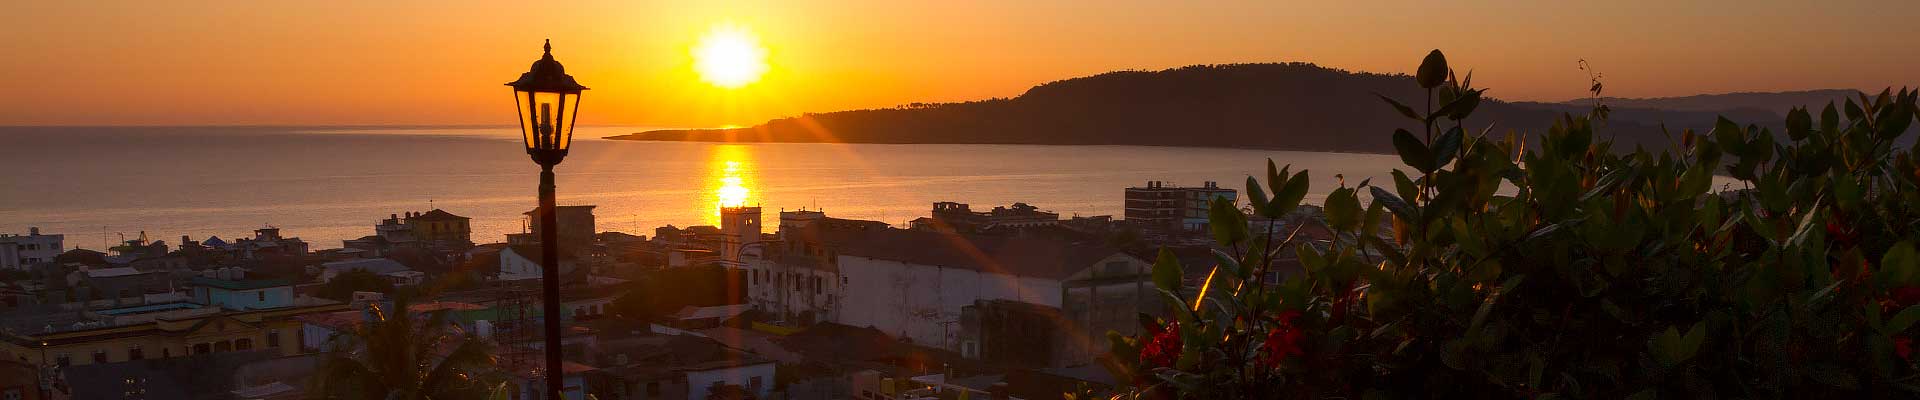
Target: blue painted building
{"type": "Point", "coordinates": [243, 294]}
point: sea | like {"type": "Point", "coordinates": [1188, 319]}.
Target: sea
{"type": "Point", "coordinates": [101, 185]}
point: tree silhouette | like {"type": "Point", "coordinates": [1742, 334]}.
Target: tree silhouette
{"type": "Point", "coordinates": [396, 355]}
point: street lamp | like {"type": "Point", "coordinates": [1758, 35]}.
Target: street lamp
{"type": "Point", "coordinates": [547, 100]}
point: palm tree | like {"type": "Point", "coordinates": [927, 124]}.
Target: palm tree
{"type": "Point", "coordinates": [398, 357]}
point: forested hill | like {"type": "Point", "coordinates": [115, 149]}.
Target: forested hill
{"type": "Point", "coordinates": [1294, 106]}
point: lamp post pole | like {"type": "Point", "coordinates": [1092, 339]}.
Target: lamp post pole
{"type": "Point", "coordinates": [550, 282]}
{"type": "Point", "coordinates": [547, 100]}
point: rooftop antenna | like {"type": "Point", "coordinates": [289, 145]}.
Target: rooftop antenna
{"type": "Point", "coordinates": [429, 204]}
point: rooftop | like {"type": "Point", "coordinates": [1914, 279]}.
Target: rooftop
{"type": "Point", "coordinates": [374, 265]}
{"type": "Point", "coordinates": [1019, 256]}
{"type": "Point", "coordinates": [239, 284]}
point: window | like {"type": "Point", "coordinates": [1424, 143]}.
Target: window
{"type": "Point", "coordinates": [243, 344]}
{"type": "Point", "coordinates": [134, 354]}
{"type": "Point", "coordinates": [223, 346]}
{"type": "Point", "coordinates": [166, 352]}
{"type": "Point", "coordinates": [273, 338]}
{"type": "Point", "coordinates": [202, 348]}
{"type": "Point", "coordinates": [753, 383]}
{"type": "Point", "coordinates": [816, 285]}
{"type": "Point", "coordinates": [99, 356]}
{"type": "Point", "coordinates": [262, 294]}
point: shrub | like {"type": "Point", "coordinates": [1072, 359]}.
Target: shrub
{"type": "Point", "coordinates": [1568, 270]}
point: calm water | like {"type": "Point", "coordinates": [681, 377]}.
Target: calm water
{"type": "Point", "coordinates": [326, 185]}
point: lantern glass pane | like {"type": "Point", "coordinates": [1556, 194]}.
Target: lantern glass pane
{"type": "Point", "coordinates": [521, 99]}
{"type": "Point", "coordinates": [545, 118]}
{"type": "Point", "coordinates": [569, 108]}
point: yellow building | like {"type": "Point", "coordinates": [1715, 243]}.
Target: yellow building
{"type": "Point", "coordinates": [161, 331]}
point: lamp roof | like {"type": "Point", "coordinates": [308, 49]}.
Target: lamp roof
{"type": "Point", "coordinates": [546, 75]}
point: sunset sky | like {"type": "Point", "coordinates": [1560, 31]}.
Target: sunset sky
{"type": "Point", "coordinates": [434, 62]}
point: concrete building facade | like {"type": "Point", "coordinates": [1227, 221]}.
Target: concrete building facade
{"type": "Point", "coordinates": [23, 251]}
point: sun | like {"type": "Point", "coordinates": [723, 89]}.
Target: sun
{"type": "Point", "coordinates": [729, 57]}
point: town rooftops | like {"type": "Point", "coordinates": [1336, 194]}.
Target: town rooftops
{"type": "Point", "coordinates": [374, 265]}
{"type": "Point", "coordinates": [112, 272]}
{"type": "Point", "coordinates": [562, 209]}
{"type": "Point", "coordinates": [239, 284]}
{"type": "Point", "coordinates": [437, 215]}
{"type": "Point", "coordinates": [720, 312]}
{"type": "Point", "coordinates": [1018, 256]}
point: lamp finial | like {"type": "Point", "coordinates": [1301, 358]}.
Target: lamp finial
{"type": "Point", "coordinates": [548, 47]}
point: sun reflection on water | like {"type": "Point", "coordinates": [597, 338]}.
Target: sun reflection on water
{"type": "Point", "coordinates": [731, 183]}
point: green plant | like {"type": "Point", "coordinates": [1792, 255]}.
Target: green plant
{"type": "Point", "coordinates": [1568, 270]}
{"type": "Point", "coordinates": [396, 355]}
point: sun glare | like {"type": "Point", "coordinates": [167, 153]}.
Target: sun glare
{"type": "Point", "coordinates": [730, 57]}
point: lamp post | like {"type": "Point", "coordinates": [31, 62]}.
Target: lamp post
{"type": "Point", "coordinates": [547, 100]}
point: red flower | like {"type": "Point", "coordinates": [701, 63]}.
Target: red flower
{"type": "Point", "coordinates": [1905, 296]}
{"type": "Point", "coordinates": [1283, 341]}
{"type": "Point", "coordinates": [1840, 233]}
{"type": "Point", "coordinates": [1903, 347]}
{"type": "Point", "coordinates": [1164, 348]}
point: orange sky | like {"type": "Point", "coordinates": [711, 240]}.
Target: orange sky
{"type": "Point", "coordinates": [432, 62]}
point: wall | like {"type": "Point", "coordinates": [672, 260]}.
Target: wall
{"type": "Point", "coordinates": [698, 381]}
{"type": "Point", "coordinates": [922, 302]}
{"type": "Point", "coordinates": [160, 345]}
{"type": "Point", "coordinates": [251, 299]}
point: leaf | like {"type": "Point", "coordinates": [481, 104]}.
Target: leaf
{"type": "Point", "coordinates": [1343, 210]}
{"type": "Point", "coordinates": [1404, 185]}
{"type": "Point", "coordinates": [1433, 70]}
{"type": "Point", "coordinates": [1412, 152]}
{"type": "Point", "coordinates": [1899, 266]}
{"type": "Point", "coordinates": [1394, 203]}
{"type": "Point", "coordinates": [1830, 119]}
{"type": "Point", "coordinates": [1690, 344]}
{"type": "Point", "coordinates": [1257, 198]}
{"type": "Point", "coordinates": [1167, 273]}
{"type": "Point", "coordinates": [1903, 320]}
{"type": "Point", "coordinates": [1228, 225]}
{"type": "Point", "coordinates": [1288, 198]}
{"type": "Point", "coordinates": [1402, 108]}
{"type": "Point", "coordinates": [1799, 123]}
{"type": "Point", "coordinates": [1446, 147]}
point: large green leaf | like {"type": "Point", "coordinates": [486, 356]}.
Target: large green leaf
{"type": "Point", "coordinates": [1412, 152]}
{"type": "Point", "coordinates": [1167, 273]}
{"type": "Point", "coordinates": [1287, 198]}
{"type": "Point", "coordinates": [1228, 224]}
{"type": "Point", "coordinates": [1257, 198]}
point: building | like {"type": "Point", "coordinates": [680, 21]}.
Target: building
{"type": "Point", "coordinates": [77, 334]}
{"type": "Point", "coordinates": [522, 262]}
{"type": "Point", "coordinates": [1172, 210]}
{"type": "Point", "coordinates": [377, 266]}
{"type": "Point", "coordinates": [738, 227]}
{"type": "Point", "coordinates": [959, 217]}
{"type": "Point", "coordinates": [240, 294]}
{"type": "Point", "coordinates": [266, 242]}
{"type": "Point", "coordinates": [801, 255]}
{"type": "Point", "coordinates": [435, 229]}
{"type": "Point", "coordinates": [575, 230]}
{"type": "Point", "coordinates": [646, 367]}
{"type": "Point", "coordinates": [18, 252]}
{"type": "Point", "coordinates": [915, 284]}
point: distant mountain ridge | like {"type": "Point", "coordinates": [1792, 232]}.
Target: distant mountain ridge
{"type": "Point", "coordinates": [1279, 106]}
{"type": "Point", "coordinates": [1777, 102]}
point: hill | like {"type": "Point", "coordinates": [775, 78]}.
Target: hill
{"type": "Point", "coordinates": [1776, 102]}
{"type": "Point", "coordinates": [1290, 106]}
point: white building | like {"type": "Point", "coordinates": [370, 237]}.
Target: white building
{"type": "Point", "coordinates": [914, 284]}
{"type": "Point", "coordinates": [522, 262]}
{"type": "Point", "coordinates": [23, 251]}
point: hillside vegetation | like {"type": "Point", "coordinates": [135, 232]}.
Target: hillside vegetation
{"type": "Point", "coordinates": [1291, 106]}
